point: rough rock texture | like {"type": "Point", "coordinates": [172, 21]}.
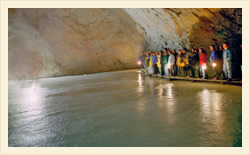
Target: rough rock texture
{"type": "Point", "coordinates": [58, 42]}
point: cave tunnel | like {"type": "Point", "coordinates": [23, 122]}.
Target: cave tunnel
{"type": "Point", "coordinates": [74, 80]}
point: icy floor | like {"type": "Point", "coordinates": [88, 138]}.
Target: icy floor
{"type": "Point", "coordinates": [123, 109]}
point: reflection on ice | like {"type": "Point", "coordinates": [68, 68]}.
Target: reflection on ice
{"type": "Point", "coordinates": [170, 103]}
{"type": "Point", "coordinates": [32, 99]}
{"type": "Point", "coordinates": [169, 88]}
{"type": "Point", "coordinates": [140, 86]}
{"type": "Point", "coordinates": [165, 90]}
{"type": "Point", "coordinates": [211, 102]}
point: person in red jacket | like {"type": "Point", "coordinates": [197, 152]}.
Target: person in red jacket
{"type": "Point", "coordinates": [203, 62]}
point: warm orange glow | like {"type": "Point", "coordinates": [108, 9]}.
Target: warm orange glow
{"type": "Point", "coordinates": [139, 62]}
{"type": "Point", "coordinates": [214, 64]}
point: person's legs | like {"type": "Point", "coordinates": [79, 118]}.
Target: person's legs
{"type": "Point", "coordinates": [203, 72]}
{"type": "Point", "coordinates": [198, 69]}
{"type": "Point", "coordinates": [182, 71]}
{"type": "Point", "coordinates": [150, 70]}
{"type": "Point", "coordinates": [175, 70]}
{"type": "Point", "coordinates": [159, 69]}
{"type": "Point", "coordinates": [171, 71]}
{"type": "Point", "coordinates": [178, 70]}
{"type": "Point", "coordinates": [229, 69]}
{"type": "Point", "coordinates": [225, 70]}
{"type": "Point", "coordinates": [192, 70]}
{"type": "Point", "coordinates": [189, 68]}
{"type": "Point", "coordinates": [219, 70]}
{"type": "Point", "coordinates": [185, 70]}
{"type": "Point", "coordinates": [215, 71]}
{"type": "Point", "coordinates": [163, 70]}
{"type": "Point", "coordinates": [155, 69]}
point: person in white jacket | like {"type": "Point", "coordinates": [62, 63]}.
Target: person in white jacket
{"type": "Point", "coordinates": [169, 68]}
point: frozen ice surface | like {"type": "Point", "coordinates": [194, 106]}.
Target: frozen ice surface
{"type": "Point", "coordinates": [123, 108]}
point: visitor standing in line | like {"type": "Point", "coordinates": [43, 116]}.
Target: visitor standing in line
{"type": "Point", "coordinates": [154, 60]}
{"type": "Point", "coordinates": [150, 67]}
{"type": "Point", "coordinates": [164, 61]}
{"type": "Point", "coordinates": [195, 63]}
{"type": "Point", "coordinates": [169, 68]}
{"type": "Point", "coordinates": [214, 61]}
{"type": "Point", "coordinates": [203, 62]}
{"type": "Point", "coordinates": [175, 66]}
{"type": "Point", "coordinates": [220, 62]}
{"type": "Point", "coordinates": [180, 63]}
{"type": "Point", "coordinates": [158, 62]}
{"type": "Point", "coordinates": [227, 62]}
{"type": "Point", "coordinates": [186, 62]}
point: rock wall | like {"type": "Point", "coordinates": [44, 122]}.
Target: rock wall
{"type": "Point", "coordinates": [58, 42]}
{"type": "Point", "coordinates": [188, 28]}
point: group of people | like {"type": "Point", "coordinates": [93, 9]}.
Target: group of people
{"type": "Point", "coordinates": [172, 63]}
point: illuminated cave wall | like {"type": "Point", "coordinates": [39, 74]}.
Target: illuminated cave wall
{"type": "Point", "coordinates": [60, 42]}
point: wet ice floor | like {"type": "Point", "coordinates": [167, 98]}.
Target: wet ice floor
{"type": "Point", "coordinates": [123, 108]}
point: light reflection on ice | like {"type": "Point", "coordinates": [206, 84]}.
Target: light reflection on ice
{"type": "Point", "coordinates": [210, 103]}
{"type": "Point", "coordinates": [140, 86]}
{"type": "Point", "coordinates": [32, 99]}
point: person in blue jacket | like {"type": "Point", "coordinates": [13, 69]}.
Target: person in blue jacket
{"type": "Point", "coordinates": [214, 61]}
{"type": "Point", "coordinates": [227, 62]}
{"type": "Point", "coordinates": [154, 60]}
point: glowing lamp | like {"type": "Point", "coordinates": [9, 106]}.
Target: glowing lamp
{"type": "Point", "coordinates": [139, 62]}
{"type": "Point", "coordinates": [205, 67]}
{"type": "Point", "coordinates": [214, 64]}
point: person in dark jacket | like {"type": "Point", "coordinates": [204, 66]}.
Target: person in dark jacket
{"type": "Point", "coordinates": [220, 63]}
{"type": "Point", "coordinates": [175, 66]}
{"type": "Point", "coordinates": [195, 63]}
